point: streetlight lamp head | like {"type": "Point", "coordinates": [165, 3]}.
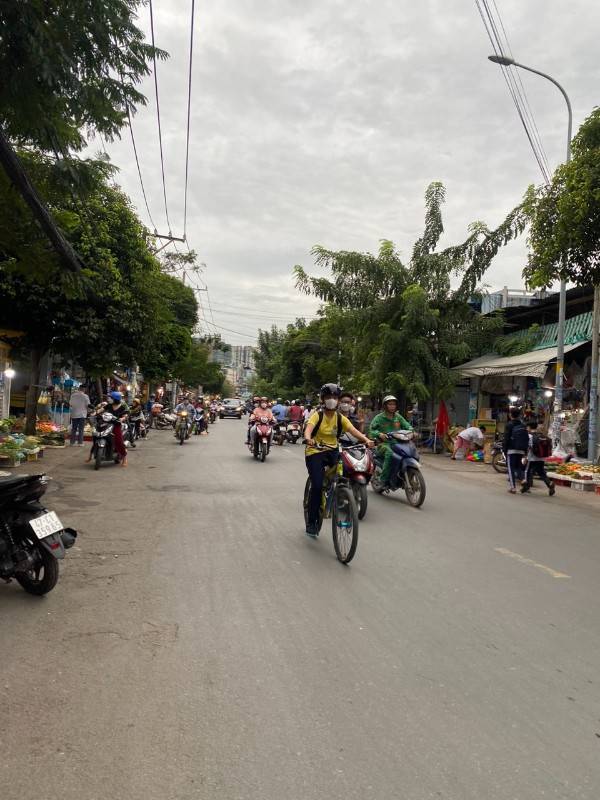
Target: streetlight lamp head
{"type": "Point", "coordinates": [503, 60]}
{"type": "Point", "coordinates": [9, 373]}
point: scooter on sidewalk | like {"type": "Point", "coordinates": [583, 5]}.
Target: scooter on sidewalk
{"type": "Point", "coordinates": [406, 470]}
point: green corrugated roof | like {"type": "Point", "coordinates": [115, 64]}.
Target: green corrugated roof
{"type": "Point", "coordinates": [577, 330]}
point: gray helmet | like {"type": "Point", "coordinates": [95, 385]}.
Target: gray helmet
{"type": "Point", "coordinates": [389, 397]}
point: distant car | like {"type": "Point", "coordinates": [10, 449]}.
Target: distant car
{"type": "Point", "coordinates": [232, 407]}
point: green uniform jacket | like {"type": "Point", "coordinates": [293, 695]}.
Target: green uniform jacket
{"type": "Point", "coordinates": [383, 424]}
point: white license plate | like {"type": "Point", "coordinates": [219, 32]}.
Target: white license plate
{"type": "Point", "coordinates": [46, 525]}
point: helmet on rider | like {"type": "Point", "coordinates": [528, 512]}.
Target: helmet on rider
{"type": "Point", "coordinates": [390, 398]}
{"type": "Point", "coordinates": [116, 396]}
{"type": "Point", "coordinates": [279, 401]}
{"type": "Point", "coordinates": [330, 395]}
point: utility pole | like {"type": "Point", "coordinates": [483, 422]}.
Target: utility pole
{"type": "Point", "coordinates": [593, 405]}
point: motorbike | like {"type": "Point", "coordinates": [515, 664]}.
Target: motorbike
{"type": "Point", "coordinates": [279, 431]}
{"type": "Point", "coordinates": [359, 466]}
{"type": "Point", "coordinates": [499, 458]}
{"type": "Point", "coordinates": [183, 426]}
{"type": "Point", "coordinates": [198, 422]}
{"type": "Point", "coordinates": [103, 439]}
{"type": "Point", "coordinates": [165, 419]}
{"type": "Point", "coordinates": [260, 438]}
{"type": "Point", "coordinates": [406, 469]}
{"type": "Point", "coordinates": [32, 539]}
{"type": "Point", "coordinates": [137, 426]}
{"type": "Point", "coordinates": [293, 432]}
{"type": "Point", "coordinates": [212, 414]}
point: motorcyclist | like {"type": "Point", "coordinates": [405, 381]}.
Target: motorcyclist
{"type": "Point", "coordinates": [348, 408]}
{"type": "Point", "coordinates": [279, 410]}
{"type": "Point", "coordinates": [388, 421]}
{"type": "Point", "coordinates": [119, 409]}
{"type": "Point", "coordinates": [255, 405]}
{"type": "Point", "coordinates": [263, 410]}
{"type": "Point", "coordinates": [187, 406]}
{"type": "Point", "coordinates": [324, 428]}
{"type": "Point", "coordinates": [199, 409]}
{"type": "Point", "coordinates": [295, 412]}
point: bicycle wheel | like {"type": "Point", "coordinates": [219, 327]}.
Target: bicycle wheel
{"type": "Point", "coordinates": [344, 525]}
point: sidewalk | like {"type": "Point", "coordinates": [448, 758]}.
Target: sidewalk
{"type": "Point", "coordinates": [486, 475]}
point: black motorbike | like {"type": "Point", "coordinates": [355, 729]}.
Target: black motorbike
{"type": "Point", "coordinates": [406, 470]}
{"type": "Point", "coordinates": [32, 539]}
{"type": "Point", "coordinates": [103, 446]}
{"type": "Point", "coordinates": [137, 427]}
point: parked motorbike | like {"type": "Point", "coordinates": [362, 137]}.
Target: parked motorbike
{"type": "Point", "coordinates": [406, 469]}
{"type": "Point", "coordinates": [165, 419]}
{"type": "Point", "coordinates": [358, 469]}
{"type": "Point", "coordinates": [260, 438]}
{"type": "Point", "coordinates": [293, 432]}
{"type": "Point", "coordinates": [32, 539]}
{"type": "Point", "coordinates": [499, 458]}
{"type": "Point", "coordinates": [103, 439]}
{"type": "Point", "coordinates": [183, 426]}
{"type": "Point", "coordinates": [279, 431]}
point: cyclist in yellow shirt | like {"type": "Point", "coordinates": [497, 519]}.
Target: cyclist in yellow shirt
{"type": "Point", "coordinates": [324, 427]}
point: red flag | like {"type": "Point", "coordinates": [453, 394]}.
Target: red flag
{"type": "Point", "coordinates": [443, 421]}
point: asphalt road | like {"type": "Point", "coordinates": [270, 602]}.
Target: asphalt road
{"type": "Point", "coordinates": [200, 646]}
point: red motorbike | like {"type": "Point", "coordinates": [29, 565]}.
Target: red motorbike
{"type": "Point", "coordinates": [261, 437]}
{"type": "Point", "coordinates": [358, 468]}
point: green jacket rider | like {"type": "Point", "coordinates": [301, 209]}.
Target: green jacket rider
{"type": "Point", "coordinates": [388, 421]}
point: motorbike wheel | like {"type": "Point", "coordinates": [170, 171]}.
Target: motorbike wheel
{"type": "Point", "coordinates": [263, 451]}
{"type": "Point", "coordinates": [415, 487]}
{"type": "Point", "coordinates": [98, 459]}
{"type": "Point", "coordinates": [181, 436]}
{"type": "Point", "coordinates": [361, 497]}
{"type": "Point", "coordinates": [43, 578]}
{"type": "Point", "coordinates": [344, 525]}
{"type": "Point", "coordinates": [376, 484]}
{"type": "Point", "coordinates": [499, 462]}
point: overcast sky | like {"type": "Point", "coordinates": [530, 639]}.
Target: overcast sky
{"type": "Point", "coordinates": [323, 121]}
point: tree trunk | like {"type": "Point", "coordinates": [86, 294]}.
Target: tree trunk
{"type": "Point", "coordinates": [31, 399]}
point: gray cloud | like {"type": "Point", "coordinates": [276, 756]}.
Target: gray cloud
{"type": "Point", "coordinates": [323, 122]}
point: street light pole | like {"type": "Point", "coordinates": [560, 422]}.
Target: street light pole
{"type": "Point", "coordinates": [562, 298]}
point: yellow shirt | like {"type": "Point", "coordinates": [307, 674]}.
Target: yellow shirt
{"type": "Point", "coordinates": [327, 433]}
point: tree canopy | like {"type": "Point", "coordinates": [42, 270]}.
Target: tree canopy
{"type": "Point", "coordinates": [564, 237]}
{"type": "Point", "coordinates": [386, 325]}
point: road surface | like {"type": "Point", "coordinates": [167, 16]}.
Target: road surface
{"type": "Point", "coordinates": [199, 646]}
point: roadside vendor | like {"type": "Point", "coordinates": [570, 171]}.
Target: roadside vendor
{"type": "Point", "coordinates": [468, 440]}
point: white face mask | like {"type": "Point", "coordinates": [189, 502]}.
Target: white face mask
{"type": "Point", "coordinates": [263, 405]}
{"type": "Point", "coordinates": [345, 407]}
{"type": "Point", "coordinates": [331, 403]}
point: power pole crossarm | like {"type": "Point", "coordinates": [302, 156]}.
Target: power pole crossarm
{"type": "Point", "coordinates": [17, 174]}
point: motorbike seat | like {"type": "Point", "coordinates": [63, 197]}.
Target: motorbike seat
{"type": "Point", "coordinates": [18, 480]}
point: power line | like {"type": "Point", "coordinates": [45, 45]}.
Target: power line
{"type": "Point", "coordinates": [162, 162]}
{"type": "Point", "coordinates": [255, 316]}
{"type": "Point", "coordinates": [187, 142]}
{"type": "Point", "coordinates": [516, 94]}
{"type": "Point", "coordinates": [239, 333]}
{"type": "Point", "coordinates": [137, 161]}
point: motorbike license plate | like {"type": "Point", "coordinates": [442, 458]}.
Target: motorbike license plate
{"type": "Point", "coordinates": [46, 525]}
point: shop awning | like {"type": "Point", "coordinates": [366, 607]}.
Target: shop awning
{"type": "Point", "coordinates": [533, 364]}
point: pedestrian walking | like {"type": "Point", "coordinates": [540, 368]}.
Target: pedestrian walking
{"type": "Point", "coordinates": [80, 403]}
{"type": "Point", "coordinates": [535, 464]}
{"type": "Point", "coordinates": [515, 445]}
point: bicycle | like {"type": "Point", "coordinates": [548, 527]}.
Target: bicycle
{"type": "Point", "coordinates": [339, 505]}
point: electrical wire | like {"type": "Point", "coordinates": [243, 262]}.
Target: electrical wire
{"type": "Point", "coordinates": [137, 161]}
{"type": "Point", "coordinates": [519, 97]}
{"type": "Point", "coordinates": [187, 141]}
{"type": "Point", "coordinates": [162, 161]}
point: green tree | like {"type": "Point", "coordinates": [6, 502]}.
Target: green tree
{"type": "Point", "coordinates": [70, 66]}
{"type": "Point", "coordinates": [196, 369]}
{"type": "Point", "coordinates": [564, 234]}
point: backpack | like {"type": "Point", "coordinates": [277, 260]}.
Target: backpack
{"type": "Point", "coordinates": [540, 445]}
{"type": "Point", "coordinates": [320, 420]}
{"type": "Point", "coordinates": [519, 438]}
